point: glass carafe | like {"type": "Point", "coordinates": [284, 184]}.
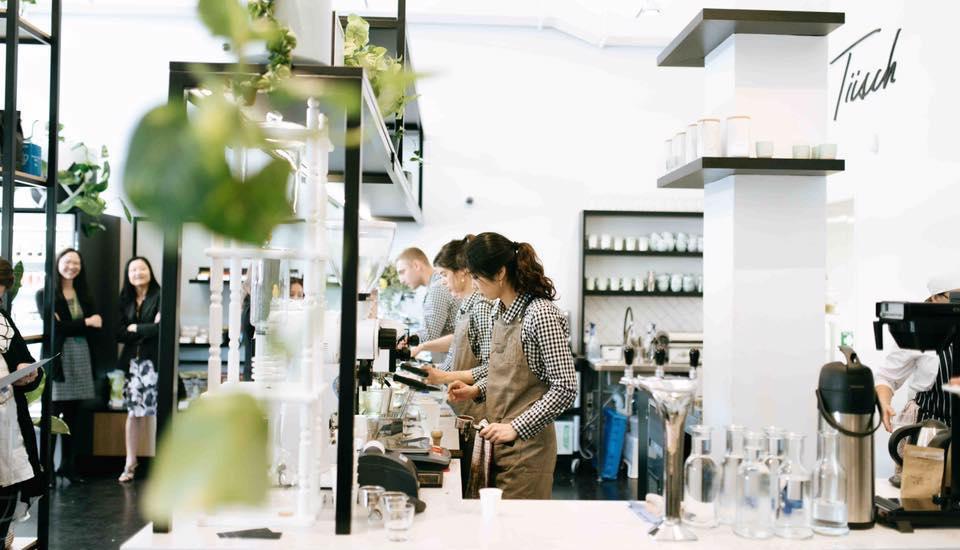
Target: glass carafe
{"type": "Point", "coordinates": [774, 450]}
{"type": "Point", "coordinates": [829, 488]}
{"type": "Point", "coordinates": [701, 482]}
{"type": "Point", "coordinates": [754, 517]}
{"type": "Point", "coordinates": [792, 520]}
{"type": "Point", "coordinates": [730, 466]}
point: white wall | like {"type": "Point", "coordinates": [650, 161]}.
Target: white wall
{"type": "Point", "coordinates": [902, 168]}
{"type": "Point", "coordinates": [537, 126]}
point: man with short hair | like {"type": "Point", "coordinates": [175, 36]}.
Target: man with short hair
{"type": "Point", "coordinates": [439, 306]}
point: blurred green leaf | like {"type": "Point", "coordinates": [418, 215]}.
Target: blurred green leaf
{"type": "Point", "coordinates": [213, 454]}
{"type": "Point", "coordinates": [126, 211]}
{"type": "Point", "coordinates": [57, 425]}
{"type": "Point", "coordinates": [177, 172]}
{"type": "Point", "coordinates": [17, 280]}
{"type": "Point", "coordinates": [92, 228]}
{"type": "Point", "coordinates": [37, 392]}
{"type": "Point", "coordinates": [357, 34]}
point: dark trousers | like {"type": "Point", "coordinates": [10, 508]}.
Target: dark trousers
{"type": "Point", "coordinates": [70, 410]}
{"type": "Point", "coordinates": [8, 507]}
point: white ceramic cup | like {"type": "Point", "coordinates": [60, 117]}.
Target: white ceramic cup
{"type": "Point", "coordinates": [591, 283]}
{"type": "Point", "coordinates": [801, 151]}
{"type": "Point", "coordinates": [626, 283]}
{"type": "Point", "coordinates": [700, 283]}
{"type": "Point", "coordinates": [606, 242]}
{"type": "Point", "coordinates": [663, 282]}
{"type": "Point", "coordinates": [828, 150]}
{"type": "Point", "coordinates": [690, 147]}
{"type": "Point", "coordinates": [708, 137]}
{"type": "Point", "coordinates": [630, 244]}
{"type": "Point", "coordinates": [639, 284]}
{"type": "Point", "coordinates": [668, 154]}
{"type": "Point", "coordinates": [676, 282]}
{"type": "Point", "coordinates": [815, 152]}
{"type": "Point", "coordinates": [738, 136]}
{"type": "Point", "coordinates": [643, 244]}
{"type": "Point", "coordinates": [679, 149]}
{"type": "Point", "coordinates": [601, 284]}
{"type": "Point", "coordinates": [764, 149]}
{"type": "Point", "coordinates": [593, 242]}
{"type": "Point", "coordinates": [689, 283]}
{"type": "Point", "coordinates": [618, 244]}
{"type": "Point", "coordinates": [699, 243]}
{"type": "Point", "coordinates": [490, 502]}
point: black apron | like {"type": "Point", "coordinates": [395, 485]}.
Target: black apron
{"type": "Point", "coordinates": [935, 403]}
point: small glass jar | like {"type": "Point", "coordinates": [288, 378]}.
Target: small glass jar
{"type": "Point", "coordinates": [829, 488]}
{"type": "Point", "coordinates": [729, 467]}
{"type": "Point", "coordinates": [792, 519]}
{"type": "Point", "coordinates": [754, 516]}
{"type": "Point", "coordinates": [701, 478]}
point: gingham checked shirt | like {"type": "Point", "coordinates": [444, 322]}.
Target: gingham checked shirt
{"type": "Point", "coordinates": [439, 311]}
{"type": "Point", "coordinates": [544, 336]}
{"type": "Point", "coordinates": [478, 331]}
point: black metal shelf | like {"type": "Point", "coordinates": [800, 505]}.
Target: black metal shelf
{"type": "Point", "coordinates": [23, 179]}
{"type": "Point", "coordinates": [644, 253]}
{"type": "Point", "coordinates": [703, 171]}
{"type": "Point", "coordinates": [386, 190]}
{"type": "Point", "coordinates": [711, 27]}
{"type": "Point", "coordinates": [641, 214]}
{"type": "Point", "coordinates": [28, 32]}
{"type": "Point", "coordinates": [644, 294]}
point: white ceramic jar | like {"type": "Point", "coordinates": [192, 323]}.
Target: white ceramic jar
{"type": "Point", "coordinates": [708, 137]}
{"type": "Point", "coordinates": [738, 136]}
{"type": "Point", "coordinates": [690, 147]}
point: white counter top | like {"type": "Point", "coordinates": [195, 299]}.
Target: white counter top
{"type": "Point", "coordinates": [450, 522]}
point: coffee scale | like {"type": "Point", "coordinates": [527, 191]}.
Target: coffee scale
{"type": "Point", "coordinates": [925, 327]}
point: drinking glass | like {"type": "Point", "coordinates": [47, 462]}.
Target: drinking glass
{"type": "Point", "coordinates": [398, 521]}
{"type": "Point", "coordinates": [754, 516]}
{"type": "Point", "coordinates": [792, 519]}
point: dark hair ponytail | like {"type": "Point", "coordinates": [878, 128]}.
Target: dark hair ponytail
{"type": "Point", "coordinates": [451, 255]}
{"type": "Point", "coordinates": [489, 252]}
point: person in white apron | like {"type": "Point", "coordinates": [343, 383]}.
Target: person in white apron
{"type": "Point", "coordinates": [20, 475]}
{"type": "Point", "coordinates": [529, 378]}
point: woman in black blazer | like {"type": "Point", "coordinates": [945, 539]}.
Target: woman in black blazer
{"type": "Point", "coordinates": [139, 329]}
{"type": "Point", "coordinates": [20, 476]}
{"type": "Point", "coordinates": [75, 318]}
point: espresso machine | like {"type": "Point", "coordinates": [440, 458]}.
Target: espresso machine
{"type": "Point", "coordinates": [924, 327]}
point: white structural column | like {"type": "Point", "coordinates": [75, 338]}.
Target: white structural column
{"type": "Point", "coordinates": [765, 248]}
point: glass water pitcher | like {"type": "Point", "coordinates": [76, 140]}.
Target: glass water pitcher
{"type": "Point", "coordinates": [701, 482]}
{"type": "Point", "coordinates": [729, 468]}
{"type": "Point", "coordinates": [792, 520]}
{"type": "Point", "coordinates": [754, 516]}
{"type": "Point", "coordinates": [829, 488]}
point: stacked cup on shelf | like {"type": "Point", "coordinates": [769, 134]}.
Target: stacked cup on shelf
{"type": "Point", "coordinates": [705, 139]}
{"type": "Point", "coordinates": [662, 242]}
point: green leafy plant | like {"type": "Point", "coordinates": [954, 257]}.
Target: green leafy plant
{"type": "Point", "coordinates": [57, 425]}
{"type": "Point", "coordinates": [83, 183]}
{"type": "Point", "coordinates": [386, 73]}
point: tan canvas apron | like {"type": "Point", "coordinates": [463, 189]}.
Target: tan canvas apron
{"type": "Point", "coordinates": [524, 469]}
{"type": "Point", "coordinates": [464, 359]}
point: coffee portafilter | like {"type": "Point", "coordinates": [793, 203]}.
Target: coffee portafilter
{"type": "Point", "coordinates": [847, 402]}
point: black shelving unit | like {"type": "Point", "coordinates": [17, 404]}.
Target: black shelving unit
{"type": "Point", "coordinates": [643, 294]}
{"type": "Point", "coordinates": [390, 33]}
{"type": "Point", "coordinates": [647, 253]}
{"type": "Point", "coordinates": [17, 32]}
{"type": "Point", "coordinates": [586, 252]}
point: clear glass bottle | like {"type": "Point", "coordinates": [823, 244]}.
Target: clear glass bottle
{"type": "Point", "coordinates": [792, 519]}
{"type": "Point", "coordinates": [829, 488]}
{"type": "Point", "coordinates": [701, 478]}
{"type": "Point", "coordinates": [754, 516]}
{"type": "Point", "coordinates": [774, 449]}
{"type": "Point", "coordinates": [729, 468]}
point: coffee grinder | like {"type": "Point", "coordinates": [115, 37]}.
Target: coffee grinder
{"type": "Point", "coordinates": [924, 327]}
